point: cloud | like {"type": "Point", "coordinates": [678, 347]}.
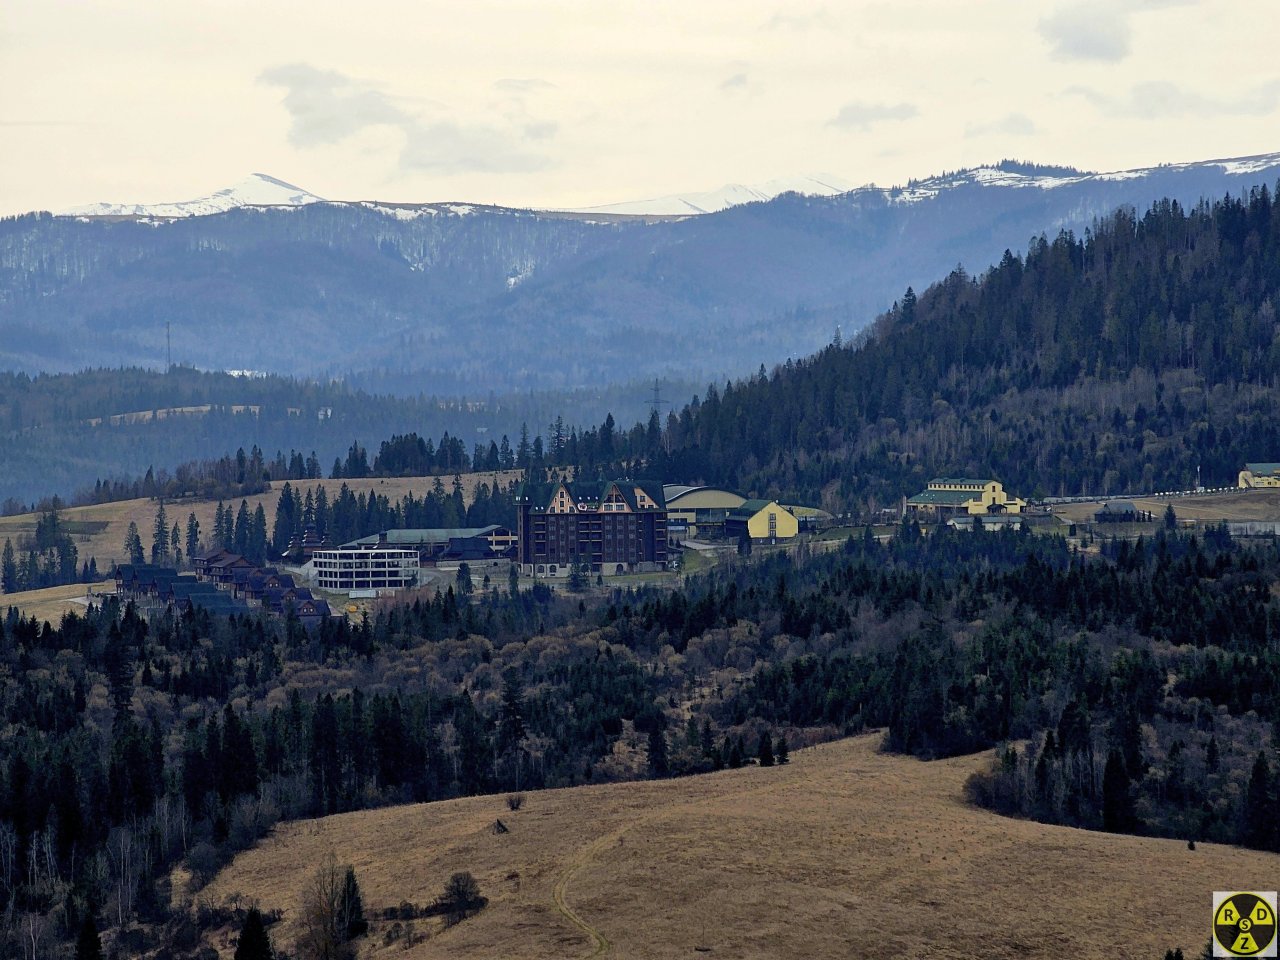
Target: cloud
{"type": "Point", "coordinates": [1160, 99]}
{"type": "Point", "coordinates": [819, 18]}
{"type": "Point", "coordinates": [1098, 30]}
{"type": "Point", "coordinates": [1014, 125]}
{"type": "Point", "coordinates": [736, 82]}
{"type": "Point", "coordinates": [326, 107]}
{"type": "Point", "coordinates": [522, 84]}
{"type": "Point", "coordinates": [860, 115]}
{"type": "Point", "coordinates": [449, 147]}
{"type": "Point", "coordinates": [43, 123]}
{"type": "Point", "coordinates": [543, 130]}
{"type": "Point", "coordinates": [1089, 31]}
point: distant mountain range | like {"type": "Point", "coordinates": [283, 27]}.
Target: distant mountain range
{"type": "Point", "coordinates": [258, 190]}
{"type": "Point", "coordinates": [465, 298]}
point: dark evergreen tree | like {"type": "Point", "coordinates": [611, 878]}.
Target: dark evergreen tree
{"type": "Point", "coordinates": [1258, 827]}
{"type": "Point", "coordinates": [254, 944]}
{"type": "Point", "coordinates": [9, 569]}
{"type": "Point", "coordinates": [764, 754]}
{"type": "Point", "coordinates": [353, 923]}
{"type": "Point", "coordinates": [659, 765]}
{"type": "Point", "coordinates": [160, 536]}
{"type": "Point", "coordinates": [133, 545]}
{"type": "Point", "coordinates": [1117, 800]}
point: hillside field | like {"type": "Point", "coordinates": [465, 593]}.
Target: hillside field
{"type": "Point", "coordinates": [49, 604]}
{"type": "Point", "coordinates": [1258, 504]}
{"type": "Point", "coordinates": [845, 852]}
{"type": "Point", "coordinates": [105, 525]}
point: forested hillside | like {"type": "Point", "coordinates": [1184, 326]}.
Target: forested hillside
{"type": "Point", "coordinates": [1146, 680]}
{"type": "Point", "coordinates": [472, 298]}
{"type": "Point", "coordinates": [60, 434]}
{"type": "Point", "coordinates": [1117, 361]}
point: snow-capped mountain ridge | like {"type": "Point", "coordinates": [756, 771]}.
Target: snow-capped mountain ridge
{"type": "Point", "coordinates": [257, 190]}
{"type": "Point", "coordinates": [730, 195]}
{"type": "Point", "coordinates": [262, 190]}
{"type": "Point", "coordinates": [1002, 175]}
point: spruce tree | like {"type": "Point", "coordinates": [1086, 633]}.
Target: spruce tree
{"type": "Point", "coordinates": [254, 943]}
{"type": "Point", "coordinates": [8, 569]}
{"type": "Point", "coordinates": [160, 536]}
{"type": "Point", "coordinates": [133, 544]}
{"type": "Point", "coordinates": [1259, 827]}
{"type": "Point", "coordinates": [783, 754]}
{"type": "Point", "coordinates": [1117, 804]}
{"type": "Point", "coordinates": [88, 943]}
{"type": "Point", "coordinates": [353, 923]}
{"type": "Point", "coordinates": [465, 586]}
{"type": "Point", "coordinates": [658, 764]}
{"type": "Point", "coordinates": [765, 751]}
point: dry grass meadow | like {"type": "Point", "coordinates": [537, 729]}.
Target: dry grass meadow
{"type": "Point", "coordinates": [1257, 504]}
{"type": "Point", "coordinates": [110, 521]}
{"type": "Point", "coordinates": [845, 852]}
{"type": "Point", "coordinates": [52, 602]}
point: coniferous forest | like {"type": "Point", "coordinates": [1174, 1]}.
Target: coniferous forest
{"type": "Point", "coordinates": [1135, 691]}
{"type": "Point", "coordinates": [1116, 362]}
{"type": "Point", "coordinates": [1127, 686]}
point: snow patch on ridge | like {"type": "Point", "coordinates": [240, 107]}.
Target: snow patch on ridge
{"type": "Point", "coordinates": [258, 190]}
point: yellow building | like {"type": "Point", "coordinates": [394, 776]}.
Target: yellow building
{"type": "Point", "coordinates": [692, 511]}
{"type": "Point", "coordinates": [764, 521]}
{"type": "Point", "coordinates": [948, 497]}
{"type": "Point", "coordinates": [1260, 475]}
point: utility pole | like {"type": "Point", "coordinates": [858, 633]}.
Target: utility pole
{"type": "Point", "coordinates": [168, 349]}
{"type": "Point", "coordinates": [655, 404]}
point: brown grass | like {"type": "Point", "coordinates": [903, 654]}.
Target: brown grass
{"type": "Point", "coordinates": [52, 602]}
{"type": "Point", "coordinates": [844, 853]}
{"type": "Point", "coordinates": [108, 545]}
{"type": "Point", "coordinates": [1245, 505]}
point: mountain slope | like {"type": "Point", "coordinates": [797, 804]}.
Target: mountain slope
{"type": "Point", "coordinates": [258, 190]}
{"type": "Point", "coordinates": [468, 298]}
{"type": "Point", "coordinates": [730, 195]}
{"type": "Point", "coordinates": [1130, 361]}
{"type": "Point", "coordinates": [814, 856]}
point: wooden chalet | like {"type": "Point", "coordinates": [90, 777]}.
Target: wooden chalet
{"type": "Point", "coordinates": [223, 572]}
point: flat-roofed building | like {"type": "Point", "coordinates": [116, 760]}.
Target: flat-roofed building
{"type": "Point", "coordinates": [698, 510]}
{"type": "Point", "coordinates": [364, 568]}
{"type": "Point", "coordinates": [1259, 475]}
{"type": "Point", "coordinates": [435, 543]}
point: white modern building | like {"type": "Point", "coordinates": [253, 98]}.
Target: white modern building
{"type": "Point", "coordinates": [367, 568]}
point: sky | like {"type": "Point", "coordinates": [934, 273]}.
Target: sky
{"type": "Point", "coordinates": [566, 104]}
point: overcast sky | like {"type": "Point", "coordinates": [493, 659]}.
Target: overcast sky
{"type": "Point", "coordinates": [575, 103]}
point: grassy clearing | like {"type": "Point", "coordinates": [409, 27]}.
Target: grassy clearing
{"type": "Point", "coordinates": [1244, 505]}
{"type": "Point", "coordinates": [844, 853]}
{"type": "Point", "coordinates": [99, 530]}
{"type": "Point", "coordinates": [52, 602]}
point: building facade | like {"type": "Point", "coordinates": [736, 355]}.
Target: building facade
{"type": "Point", "coordinates": [609, 528]}
{"type": "Point", "coordinates": [695, 511]}
{"type": "Point", "coordinates": [435, 544]}
{"type": "Point", "coordinates": [947, 497]}
{"type": "Point", "coordinates": [1259, 475]}
{"type": "Point", "coordinates": [764, 521]}
{"type": "Point", "coordinates": [364, 568]}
